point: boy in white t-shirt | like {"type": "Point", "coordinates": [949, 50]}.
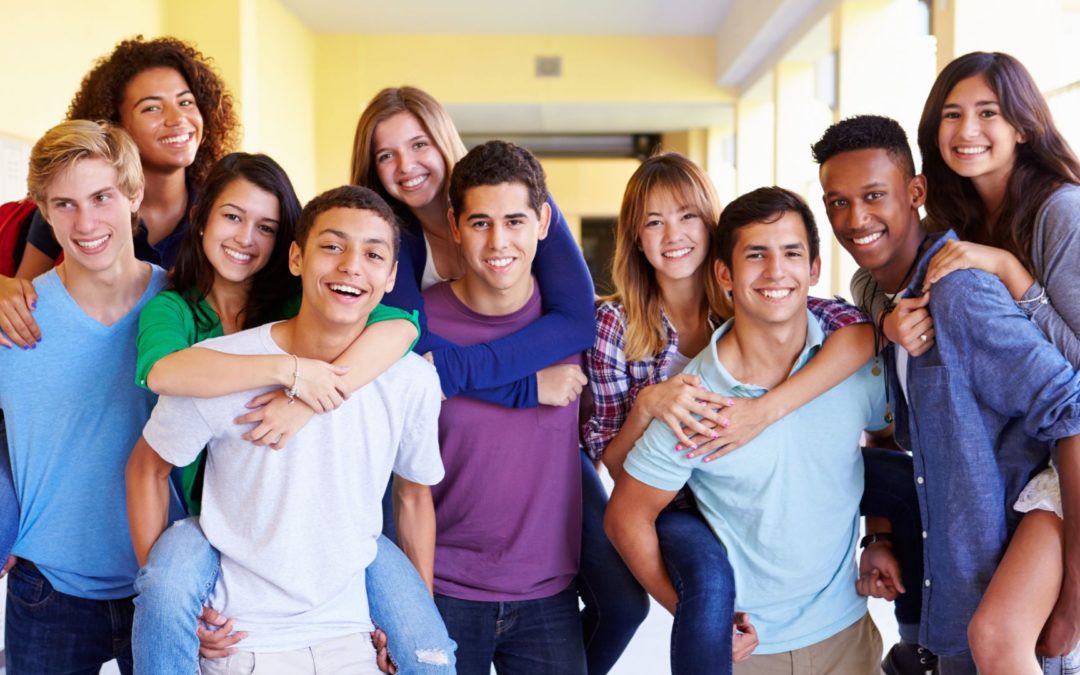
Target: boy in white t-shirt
{"type": "Point", "coordinates": [296, 529]}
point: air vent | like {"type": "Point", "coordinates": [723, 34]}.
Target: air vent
{"type": "Point", "coordinates": [549, 66]}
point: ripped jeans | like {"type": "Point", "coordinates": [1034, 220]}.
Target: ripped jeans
{"type": "Point", "coordinates": [182, 570]}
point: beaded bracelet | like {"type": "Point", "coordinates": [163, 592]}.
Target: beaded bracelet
{"type": "Point", "coordinates": [295, 389]}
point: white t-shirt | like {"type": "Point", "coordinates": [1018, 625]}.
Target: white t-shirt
{"type": "Point", "coordinates": [297, 527]}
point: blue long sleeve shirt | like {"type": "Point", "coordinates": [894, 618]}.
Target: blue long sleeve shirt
{"type": "Point", "coordinates": [504, 371]}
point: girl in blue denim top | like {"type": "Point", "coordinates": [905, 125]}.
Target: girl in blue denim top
{"type": "Point", "coordinates": [1001, 175]}
{"type": "Point", "coordinates": [232, 273]}
{"type": "Point", "coordinates": [666, 306]}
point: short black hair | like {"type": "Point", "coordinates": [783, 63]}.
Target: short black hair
{"type": "Point", "coordinates": [347, 197]}
{"type": "Point", "coordinates": [763, 205]}
{"type": "Point", "coordinates": [494, 163]}
{"type": "Point", "coordinates": [866, 132]}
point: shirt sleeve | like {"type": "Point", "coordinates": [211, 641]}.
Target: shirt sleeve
{"type": "Point", "coordinates": [165, 326]}
{"type": "Point", "coordinates": [1059, 251]}
{"type": "Point", "coordinates": [418, 458]}
{"type": "Point", "coordinates": [177, 431]}
{"type": "Point", "coordinates": [868, 295]}
{"type": "Point", "coordinates": [652, 461]}
{"type": "Point", "coordinates": [834, 314]}
{"type": "Point", "coordinates": [609, 381]}
{"type": "Point", "coordinates": [387, 313]}
{"type": "Point", "coordinates": [566, 327]}
{"type": "Point", "coordinates": [1042, 388]}
{"type": "Point", "coordinates": [41, 236]}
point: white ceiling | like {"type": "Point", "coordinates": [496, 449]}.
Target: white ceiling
{"type": "Point", "coordinates": [514, 17]}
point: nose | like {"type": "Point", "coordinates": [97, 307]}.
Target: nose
{"type": "Point", "coordinates": [83, 221]}
{"type": "Point", "coordinates": [774, 267]}
{"type": "Point", "coordinates": [969, 125]}
{"type": "Point", "coordinates": [860, 215]}
{"type": "Point", "coordinates": [350, 261]}
{"type": "Point", "coordinates": [245, 234]}
{"type": "Point", "coordinates": [497, 237]}
{"type": "Point", "coordinates": [173, 114]}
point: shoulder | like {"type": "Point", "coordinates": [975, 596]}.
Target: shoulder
{"type": "Point", "coordinates": [411, 375]}
{"type": "Point", "coordinates": [610, 324]}
{"type": "Point", "coordinates": [970, 297]}
{"type": "Point", "coordinates": [1060, 214]}
{"type": "Point", "coordinates": [250, 341]}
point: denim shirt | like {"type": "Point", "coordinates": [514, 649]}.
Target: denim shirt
{"type": "Point", "coordinates": [986, 404]}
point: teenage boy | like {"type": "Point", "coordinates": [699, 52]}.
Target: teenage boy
{"type": "Point", "coordinates": [296, 529]}
{"type": "Point", "coordinates": [786, 506]}
{"type": "Point", "coordinates": [73, 410]}
{"type": "Point", "coordinates": [976, 438]}
{"type": "Point", "coordinates": [509, 511]}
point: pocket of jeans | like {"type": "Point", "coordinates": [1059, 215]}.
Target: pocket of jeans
{"type": "Point", "coordinates": [29, 589]}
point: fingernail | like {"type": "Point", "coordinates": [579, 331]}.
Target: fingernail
{"type": "Point", "coordinates": [689, 455]}
{"type": "Point", "coordinates": [33, 305]}
{"type": "Point", "coordinates": [731, 401]}
{"type": "Point", "coordinates": [725, 423]}
{"type": "Point", "coordinates": [678, 448]}
{"type": "Point", "coordinates": [715, 435]}
{"type": "Point", "coordinates": [707, 459]}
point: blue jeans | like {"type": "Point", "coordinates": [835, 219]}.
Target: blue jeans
{"type": "Point", "coordinates": [177, 580]}
{"type": "Point", "coordinates": [9, 506]}
{"type": "Point", "coordinates": [524, 637]}
{"type": "Point", "coordinates": [615, 604]}
{"type": "Point", "coordinates": [48, 631]}
{"type": "Point", "coordinates": [701, 573]}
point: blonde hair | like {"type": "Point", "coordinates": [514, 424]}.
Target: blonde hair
{"type": "Point", "coordinates": [69, 142]}
{"type": "Point", "coordinates": [634, 277]}
{"type": "Point", "coordinates": [387, 103]}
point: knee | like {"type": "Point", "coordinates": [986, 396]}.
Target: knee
{"type": "Point", "coordinates": [993, 641]}
{"type": "Point", "coordinates": [182, 566]}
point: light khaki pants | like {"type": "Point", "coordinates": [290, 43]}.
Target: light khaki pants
{"type": "Point", "coordinates": [856, 650]}
{"type": "Point", "coordinates": [348, 655]}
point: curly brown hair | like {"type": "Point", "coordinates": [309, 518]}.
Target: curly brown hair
{"type": "Point", "coordinates": [102, 92]}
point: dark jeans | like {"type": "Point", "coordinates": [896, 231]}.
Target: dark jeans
{"type": "Point", "coordinates": [526, 637]}
{"type": "Point", "coordinates": [890, 493]}
{"type": "Point", "coordinates": [615, 604]}
{"type": "Point", "coordinates": [701, 573]}
{"type": "Point", "coordinates": [50, 632]}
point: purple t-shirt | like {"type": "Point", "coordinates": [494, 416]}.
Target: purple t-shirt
{"type": "Point", "coordinates": [509, 508]}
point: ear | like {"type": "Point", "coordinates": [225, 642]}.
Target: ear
{"type": "Point", "coordinates": [723, 276]}
{"type": "Point", "coordinates": [917, 191]}
{"type": "Point", "coordinates": [815, 271]}
{"type": "Point", "coordinates": [452, 220]}
{"type": "Point", "coordinates": [391, 278]}
{"type": "Point", "coordinates": [296, 259]}
{"type": "Point", "coordinates": [545, 221]}
{"type": "Point", "coordinates": [136, 200]}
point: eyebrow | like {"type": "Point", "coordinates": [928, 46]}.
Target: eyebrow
{"type": "Point", "coordinates": [155, 97]}
{"type": "Point", "coordinates": [977, 104]}
{"type": "Point", "coordinates": [757, 248]}
{"type": "Point", "coordinates": [341, 235]}
{"type": "Point", "coordinates": [484, 216]}
{"type": "Point", "coordinates": [414, 138]}
{"type": "Point", "coordinates": [684, 207]}
{"type": "Point", "coordinates": [95, 193]}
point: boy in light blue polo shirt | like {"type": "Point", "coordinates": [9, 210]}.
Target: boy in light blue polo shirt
{"type": "Point", "coordinates": [786, 505]}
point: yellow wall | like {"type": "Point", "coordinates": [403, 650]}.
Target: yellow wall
{"type": "Point", "coordinates": [586, 188]}
{"type": "Point", "coordinates": [48, 47]}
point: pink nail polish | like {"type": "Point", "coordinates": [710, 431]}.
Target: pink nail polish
{"type": "Point", "coordinates": [715, 435]}
{"type": "Point", "coordinates": [707, 459]}
{"type": "Point", "coordinates": [678, 448]}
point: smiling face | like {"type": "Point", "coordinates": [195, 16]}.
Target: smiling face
{"type": "Point", "coordinates": [674, 237]}
{"type": "Point", "coordinates": [498, 232]}
{"type": "Point", "coordinates": [873, 208]}
{"type": "Point", "coordinates": [90, 215]}
{"type": "Point", "coordinates": [771, 271]}
{"type": "Point", "coordinates": [410, 167]}
{"type": "Point", "coordinates": [346, 267]}
{"type": "Point", "coordinates": [239, 235]}
{"type": "Point", "coordinates": [974, 138]}
{"type": "Point", "coordinates": [162, 116]}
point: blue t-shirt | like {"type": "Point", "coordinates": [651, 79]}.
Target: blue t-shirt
{"type": "Point", "coordinates": [785, 505]}
{"type": "Point", "coordinates": [73, 413]}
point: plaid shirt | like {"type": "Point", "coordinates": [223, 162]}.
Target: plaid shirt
{"type": "Point", "coordinates": [616, 382]}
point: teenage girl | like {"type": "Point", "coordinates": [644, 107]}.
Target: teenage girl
{"type": "Point", "coordinates": [1004, 178]}
{"type": "Point", "coordinates": [666, 306]}
{"type": "Point", "coordinates": [232, 273]}
{"type": "Point", "coordinates": [405, 148]}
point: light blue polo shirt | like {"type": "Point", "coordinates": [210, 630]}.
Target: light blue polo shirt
{"type": "Point", "coordinates": [785, 505]}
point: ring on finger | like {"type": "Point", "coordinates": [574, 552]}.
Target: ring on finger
{"type": "Point", "coordinates": [923, 338]}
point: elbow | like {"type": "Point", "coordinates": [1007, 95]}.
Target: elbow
{"type": "Point", "coordinates": [145, 464]}
{"type": "Point", "coordinates": [613, 527]}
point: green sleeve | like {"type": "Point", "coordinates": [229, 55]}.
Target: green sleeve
{"type": "Point", "coordinates": [386, 313]}
{"type": "Point", "coordinates": [166, 325]}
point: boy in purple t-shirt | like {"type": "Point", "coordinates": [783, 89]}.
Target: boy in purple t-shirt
{"type": "Point", "coordinates": [509, 509]}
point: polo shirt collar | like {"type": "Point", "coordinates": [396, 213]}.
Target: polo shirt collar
{"type": "Point", "coordinates": [714, 372]}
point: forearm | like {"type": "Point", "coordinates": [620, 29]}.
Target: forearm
{"type": "Point", "coordinates": [1068, 465]}
{"type": "Point", "coordinates": [206, 373]}
{"type": "Point", "coordinates": [380, 346]}
{"type": "Point", "coordinates": [414, 517]}
{"type": "Point", "coordinates": [34, 262]}
{"type": "Point", "coordinates": [633, 533]}
{"type": "Point", "coordinates": [147, 480]}
{"type": "Point", "coordinates": [878, 525]}
{"type": "Point", "coordinates": [1014, 275]}
{"type": "Point", "coordinates": [842, 354]}
{"type": "Point", "coordinates": [620, 446]}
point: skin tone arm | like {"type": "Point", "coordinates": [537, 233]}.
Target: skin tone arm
{"type": "Point", "coordinates": [17, 300]}
{"type": "Point", "coordinates": [846, 350]}
{"type": "Point", "coordinates": [962, 255]}
{"type": "Point", "coordinates": [414, 516]}
{"type": "Point", "coordinates": [1062, 630]}
{"type": "Point", "coordinates": [147, 478]}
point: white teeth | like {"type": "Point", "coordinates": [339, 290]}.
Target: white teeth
{"type": "Point", "coordinates": [237, 255]}
{"type": "Point", "coordinates": [499, 262]}
{"type": "Point", "coordinates": [971, 151]}
{"type": "Point", "coordinates": [867, 239]}
{"type": "Point", "coordinates": [342, 288]}
{"type": "Point", "coordinates": [776, 295]}
{"type": "Point", "coordinates": [679, 253]}
{"type": "Point", "coordinates": [177, 140]}
{"type": "Point", "coordinates": [92, 244]}
{"type": "Point", "coordinates": [413, 182]}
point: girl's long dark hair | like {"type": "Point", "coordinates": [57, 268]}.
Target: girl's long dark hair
{"type": "Point", "coordinates": [1043, 162]}
{"type": "Point", "coordinates": [273, 286]}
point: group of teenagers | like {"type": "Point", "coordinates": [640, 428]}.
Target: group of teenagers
{"type": "Point", "coordinates": [363, 435]}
